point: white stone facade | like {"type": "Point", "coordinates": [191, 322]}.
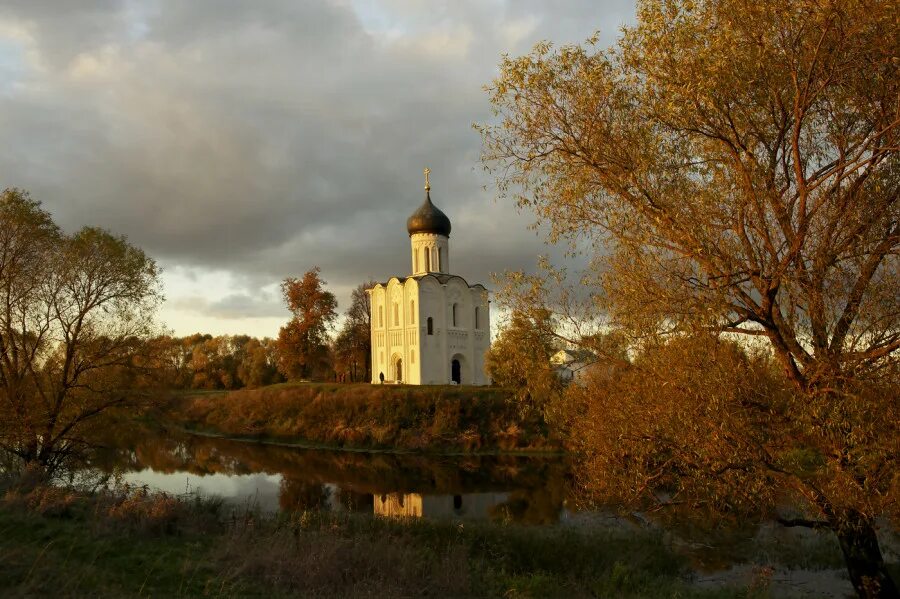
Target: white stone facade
{"type": "Point", "coordinates": [413, 326]}
{"type": "Point", "coordinates": [431, 328]}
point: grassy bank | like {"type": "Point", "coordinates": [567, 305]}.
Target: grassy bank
{"type": "Point", "coordinates": [60, 543]}
{"type": "Point", "coordinates": [415, 418]}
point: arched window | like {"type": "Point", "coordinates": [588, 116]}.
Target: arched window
{"type": "Point", "coordinates": [453, 314]}
{"type": "Point", "coordinates": [412, 311]}
{"type": "Point", "coordinates": [477, 324]}
{"type": "Point", "coordinates": [396, 314]}
{"type": "Point", "coordinates": [440, 259]}
{"type": "Point", "coordinates": [415, 261]}
{"type": "Point", "coordinates": [412, 357]}
{"type": "Point", "coordinates": [427, 260]}
{"type": "Point", "coordinates": [380, 316]}
{"type": "Point", "coordinates": [430, 323]}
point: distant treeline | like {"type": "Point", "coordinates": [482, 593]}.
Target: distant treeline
{"type": "Point", "coordinates": [224, 362]}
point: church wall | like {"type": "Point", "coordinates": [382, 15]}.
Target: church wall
{"type": "Point", "coordinates": [432, 347]}
{"type": "Point", "coordinates": [411, 331]}
{"type": "Point", "coordinates": [400, 330]}
{"type": "Point", "coordinates": [459, 334]}
{"type": "Point", "coordinates": [376, 304]}
{"type": "Point", "coordinates": [395, 331]}
{"type": "Point", "coordinates": [481, 336]}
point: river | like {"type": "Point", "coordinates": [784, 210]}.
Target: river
{"type": "Point", "coordinates": [530, 490]}
{"type": "Point", "coordinates": [271, 478]}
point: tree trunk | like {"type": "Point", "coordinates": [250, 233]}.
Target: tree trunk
{"type": "Point", "coordinates": [865, 563]}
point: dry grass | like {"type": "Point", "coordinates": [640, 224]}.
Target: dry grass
{"type": "Point", "coordinates": [322, 562]}
{"type": "Point", "coordinates": [370, 416]}
{"type": "Point", "coordinates": [130, 542]}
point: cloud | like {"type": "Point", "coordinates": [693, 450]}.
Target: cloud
{"type": "Point", "coordinates": [261, 139]}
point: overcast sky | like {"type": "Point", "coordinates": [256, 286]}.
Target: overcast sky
{"type": "Point", "coordinates": [239, 143]}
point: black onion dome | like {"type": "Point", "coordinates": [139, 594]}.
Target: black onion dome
{"type": "Point", "coordinates": [428, 219]}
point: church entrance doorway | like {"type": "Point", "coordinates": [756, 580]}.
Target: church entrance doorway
{"type": "Point", "coordinates": [398, 370]}
{"type": "Point", "coordinates": [459, 370]}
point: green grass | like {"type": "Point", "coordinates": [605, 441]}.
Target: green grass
{"type": "Point", "coordinates": [115, 546]}
{"type": "Point", "coordinates": [68, 556]}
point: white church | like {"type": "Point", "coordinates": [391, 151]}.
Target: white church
{"type": "Point", "coordinates": [430, 328]}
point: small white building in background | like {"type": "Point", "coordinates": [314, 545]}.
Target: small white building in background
{"type": "Point", "coordinates": [572, 364]}
{"type": "Point", "coordinates": [432, 327]}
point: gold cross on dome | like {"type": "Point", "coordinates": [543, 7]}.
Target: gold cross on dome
{"type": "Point", "coordinates": [427, 172]}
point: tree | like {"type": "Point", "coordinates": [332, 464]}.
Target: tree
{"type": "Point", "coordinates": [520, 359]}
{"type": "Point", "coordinates": [302, 342]}
{"type": "Point", "coordinates": [353, 345]}
{"type": "Point", "coordinates": [738, 164]}
{"type": "Point", "coordinates": [76, 314]}
{"type": "Point", "coordinates": [258, 367]}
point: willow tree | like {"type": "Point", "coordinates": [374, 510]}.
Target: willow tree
{"type": "Point", "coordinates": [76, 314]}
{"type": "Point", "coordinates": [737, 164]}
{"type": "Point", "coordinates": [520, 359]}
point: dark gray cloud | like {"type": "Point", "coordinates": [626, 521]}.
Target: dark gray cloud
{"type": "Point", "coordinates": [264, 138]}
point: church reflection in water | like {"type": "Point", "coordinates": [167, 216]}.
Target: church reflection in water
{"type": "Point", "coordinates": [509, 488]}
{"type": "Point", "coordinates": [481, 506]}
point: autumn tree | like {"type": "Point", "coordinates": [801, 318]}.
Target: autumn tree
{"type": "Point", "coordinates": [519, 358]}
{"type": "Point", "coordinates": [76, 312]}
{"type": "Point", "coordinates": [353, 344]}
{"type": "Point", "coordinates": [736, 165]}
{"type": "Point", "coordinates": [258, 365]}
{"type": "Point", "coordinates": [303, 341]}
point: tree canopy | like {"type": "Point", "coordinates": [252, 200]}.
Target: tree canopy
{"type": "Point", "coordinates": [735, 165]}
{"type": "Point", "coordinates": [353, 344]}
{"type": "Point", "coordinates": [77, 312]}
{"type": "Point", "coordinates": [303, 341]}
{"type": "Point", "coordinates": [519, 358]}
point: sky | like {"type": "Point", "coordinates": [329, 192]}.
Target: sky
{"type": "Point", "coordinates": [239, 143]}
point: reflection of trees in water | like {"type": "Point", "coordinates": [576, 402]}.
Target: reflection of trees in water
{"type": "Point", "coordinates": [532, 506]}
{"type": "Point", "coordinates": [536, 486]}
{"type": "Point", "coordinates": [298, 494]}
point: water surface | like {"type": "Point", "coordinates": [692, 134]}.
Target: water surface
{"type": "Point", "coordinates": [274, 478]}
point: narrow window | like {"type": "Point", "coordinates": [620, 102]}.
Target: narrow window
{"type": "Point", "coordinates": [396, 314]}
{"type": "Point", "coordinates": [412, 311]}
{"type": "Point", "coordinates": [412, 357]}
{"type": "Point", "coordinates": [453, 312]}
{"type": "Point", "coordinates": [381, 316]}
{"type": "Point", "coordinates": [477, 324]}
{"type": "Point", "coordinates": [415, 260]}
{"type": "Point", "coordinates": [427, 261]}
{"type": "Point", "coordinates": [440, 259]}
{"type": "Point", "coordinates": [430, 326]}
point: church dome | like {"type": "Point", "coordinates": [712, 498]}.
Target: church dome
{"type": "Point", "coordinates": [428, 219]}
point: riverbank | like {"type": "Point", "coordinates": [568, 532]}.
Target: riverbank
{"type": "Point", "coordinates": [62, 543]}
{"type": "Point", "coordinates": [446, 419]}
